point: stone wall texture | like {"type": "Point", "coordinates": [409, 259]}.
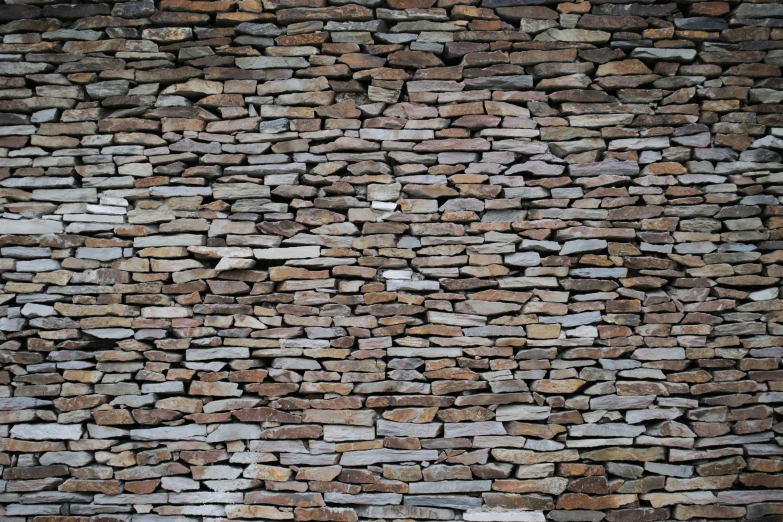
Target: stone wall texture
{"type": "Point", "coordinates": [391, 260]}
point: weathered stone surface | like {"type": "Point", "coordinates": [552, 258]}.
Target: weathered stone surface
{"type": "Point", "coordinates": [322, 260]}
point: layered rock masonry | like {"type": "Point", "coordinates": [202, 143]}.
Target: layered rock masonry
{"type": "Point", "coordinates": [391, 260]}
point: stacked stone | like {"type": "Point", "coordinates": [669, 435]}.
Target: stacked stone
{"type": "Point", "coordinates": [380, 260]}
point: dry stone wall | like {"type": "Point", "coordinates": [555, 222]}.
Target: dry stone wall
{"type": "Point", "coordinates": [391, 260]}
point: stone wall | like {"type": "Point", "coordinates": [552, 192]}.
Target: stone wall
{"type": "Point", "coordinates": [311, 260]}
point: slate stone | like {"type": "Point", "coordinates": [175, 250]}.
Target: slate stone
{"type": "Point", "coordinates": [316, 260]}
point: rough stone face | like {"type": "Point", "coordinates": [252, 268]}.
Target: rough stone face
{"type": "Point", "coordinates": [391, 260]}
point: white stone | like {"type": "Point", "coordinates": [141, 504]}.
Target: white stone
{"type": "Point", "coordinates": [186, 432]}
{"type": "Point", "coordinates": [52, 431]}
{"type": "Point", "coordinates": [504, 516]}
{"type": "Point", "coordinates": [303, 252]}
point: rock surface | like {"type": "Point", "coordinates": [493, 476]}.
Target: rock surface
{"type": "Point", "coordinates": [393, 260]}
